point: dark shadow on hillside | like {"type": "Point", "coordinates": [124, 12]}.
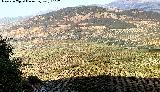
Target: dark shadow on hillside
{"type": "Point", "coordinates": [104, 84]}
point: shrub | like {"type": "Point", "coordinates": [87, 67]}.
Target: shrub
{"type": "Point", "coordinates": [10, 75]}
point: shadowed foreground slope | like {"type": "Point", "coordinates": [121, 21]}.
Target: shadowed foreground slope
{"type": "Point", "coordinates": [104, 83]}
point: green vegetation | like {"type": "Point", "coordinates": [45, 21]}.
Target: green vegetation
{"type": "Point", "coordinates": [81, 41]}
{"type": "Point", "coordinates": [64, 59]}
{"type": "Point", "coordinates": [109, 22]}
{"type": "Point", "coordinates": [10, 78]}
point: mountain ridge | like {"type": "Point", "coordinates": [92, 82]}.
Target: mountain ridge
{"type": "Point", "coordinates": [138, 4]}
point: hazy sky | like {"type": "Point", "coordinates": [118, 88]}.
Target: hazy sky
{"type": "Point", "coordinates": [13, 9]}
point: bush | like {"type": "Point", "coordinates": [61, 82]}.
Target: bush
{"type": "Point", "coordinates": [10, 75]}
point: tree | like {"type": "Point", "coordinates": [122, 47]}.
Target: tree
{"type": "Point", "coordinates": [10, 75]}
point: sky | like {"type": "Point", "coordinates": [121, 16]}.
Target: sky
{"type": "Point", "coordinates": [15, 9]}
{"type": "Point", "coordinates": [140, 0]}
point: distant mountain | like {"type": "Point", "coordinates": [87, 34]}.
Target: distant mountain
{"type": "Point", "coordinates": [146, 5]}
{"type": "Point", "coordinates": [8, 20]}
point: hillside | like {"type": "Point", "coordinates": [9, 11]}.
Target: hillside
{"type": "Point", "coordinates": [73, 65]}
{"type": "Point", "coordinates": [89, 49]}
{"type": "Point", "coordinates": [91, 23]}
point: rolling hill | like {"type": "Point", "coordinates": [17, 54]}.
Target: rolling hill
{"type": "Point", "coordinates": [131, 28]}
{"type": "Point", "coordinates": [86, 48]}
